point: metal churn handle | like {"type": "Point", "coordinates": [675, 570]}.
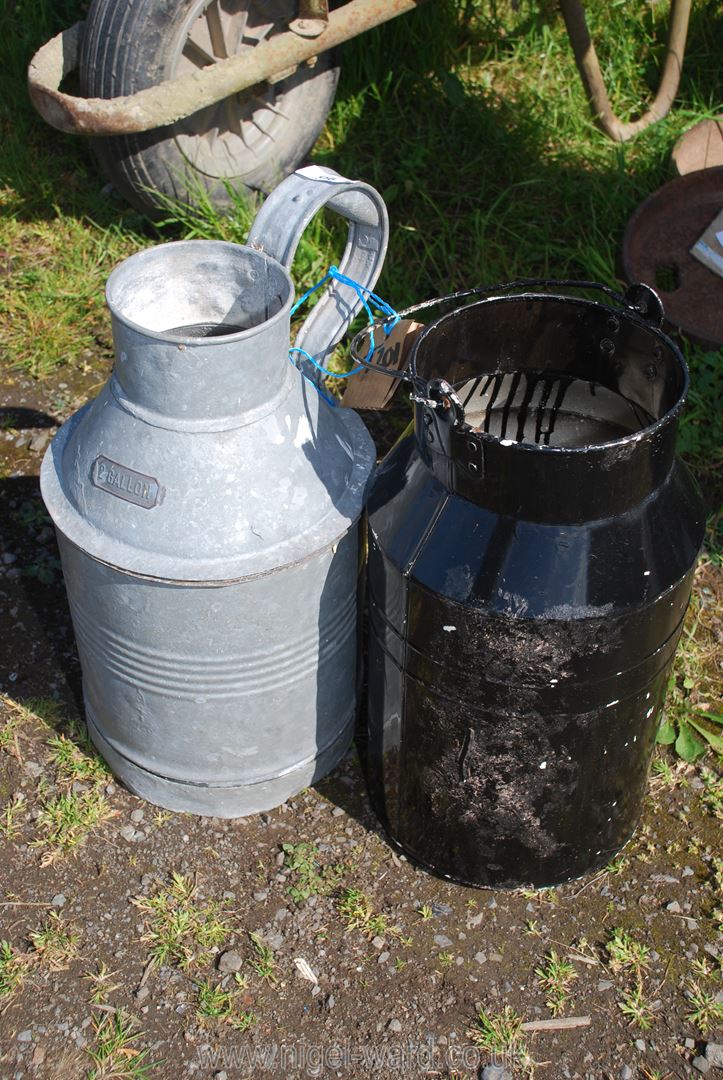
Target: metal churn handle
{"type": "Point", "coordinates": [281, 222]}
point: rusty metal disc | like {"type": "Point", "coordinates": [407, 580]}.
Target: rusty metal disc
{"type": "Point", "coordinates": [701, 147]}
{"type": "Point", "coordinates": [656, 251]}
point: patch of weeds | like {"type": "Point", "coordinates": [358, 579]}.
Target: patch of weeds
{"type": "Point", "coordinates": [446, 959]}
{"type": "Point", "coordinates": [101, 984]}
{"type": "Point", "coordinates": [627, 954]}
{"type": "Point", "coordinates": [302, 859]}
{"type": "Point", "coordinates": [358, 913]}
{"type": "Point", "coordinates": [66, 821]}
{"type": "Point", "coordinates": [114, 1056]}
{"type": "Point", "coordinates": [31, 514]}
{"type": "Point", "coordinates": [555, 977]}
{"type": "Point", "coordinates": [712, 797]}
{"type": "Point", "coordinates": [12, 968]}
{"type": "Point", "coordinates": [214, 1003]}
{"type": "Point", "coordinates": [74, 764]}
{"type": "Point", "coordinates": [45, 710]}
{"type": "Point", "coordinates": [689, 722]}
{"type": "Point", "coordinates": [45, 568]}
{"type": "Point", "coordinates": [263, 963]}
{"type": "Point", "coordinates": [9, 736]}
{"type": "Point", "coordinates": [531, 927]}
{"type": "Point", "coordinates": [425, 912]}
{"type": "Point", "coordinates": [55, 944]}
{"type": "Point", "coordinates": [617, 865]}
{"type": "Point", "coordinates": [9, 823]}
{"type": "Point", "coordinates": [180, 925]}
{"type": "Point", "coordinates": [501, 1035]}
{"type": "Point", "coordinates": [706, 1012]}
{"type": "Point", "coordinates": [635, 1008]}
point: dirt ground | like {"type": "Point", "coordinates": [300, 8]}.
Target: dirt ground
{"type": "Point", "coordinates": [332, 956]}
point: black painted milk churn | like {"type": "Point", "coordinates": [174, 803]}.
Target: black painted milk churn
{"type": "Point", "coordinates": [207, 506]}
{"type": "Point", "coordinates": [531, 548]}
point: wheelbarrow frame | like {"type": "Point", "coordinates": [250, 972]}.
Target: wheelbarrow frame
{"type": "Point", "coordinates": [314, 31]}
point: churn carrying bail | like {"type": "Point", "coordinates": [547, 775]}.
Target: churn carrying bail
{"type": "Point", "coordinates": [207, 506]}
{"type": "Point", "coordinates": [531, 551]}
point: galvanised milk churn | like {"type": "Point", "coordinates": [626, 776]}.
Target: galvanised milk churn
{"type": "Point", "coordinates": [531, 550]}
{"type": "Point", "coordinates": [207, 506]}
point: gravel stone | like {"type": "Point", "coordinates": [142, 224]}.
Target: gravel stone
{"type": "Point", "coordinates": [378, 942]}
{"type": "Point", "coordinates": [137, 815]}
{"type": "Point", "coordinates": [639, 1044]}
{"type": "Point", "coordinates": [701, 1065]}
{"type": "Point", "coordinates": [689, 1044]}
{"type": "Point", "coordinates": [128, 833]}
{"type": "Point", "coordinates": [604, 984]}
{"type": "Point", "coordinates": [714, 1054]}
{"type": "Point", "coordinates": [495, 1072]}
{"type": "Point", "coordinates": [442, 940]}
{"type": "Point", "coordinates": [394, 1025]}
{"type": "Point", "coordinates": [260, 895]}
{"type": "Point", "coordinates": [25, 1036]}
{"type": "Point", "coordinates": [58, 900]}
{"type": "Point", "coordinates": [230, 961]}
{"type": "Point", "coordinates": [40, 441]}
{"type": "Point", "coordinates": [481, 957]}
{"type": "Point", "coordinates": [673, 907]}
{"type": "Point", "coordinates": [383, 957]}
{"type": "Point", "coordinates": [626, 1073]}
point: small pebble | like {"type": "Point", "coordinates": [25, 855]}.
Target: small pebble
{"type": "Point", "coordinates": [688, 871]}
{"type": "Point", "coordinates": [673, 907]}
{"type": "Point", "coordinates": [260, 895]}
{"type": "Point", "coordinates": [701, 1065]}
{"type": "Point", "coordinates": [481, 957]}
{"type": "Point", "coordinates": [378, 942]}
{"type": "Point", "coordinates": [128, 832]}
{"type": "Point", "coordinates": [230, 961]}
{"type": "Point", "coordinates": [25, 1036]}
{"type": "Point", "coordinates": [330, 1001]}
{"type": "Point", "coordinates": [689, 1044]}
{"type": "Point", "coordinates": [394, 1025]}
{"type": "Point", "coordinates": [383, 957]}
{"type": "Point", "coordinates": [496, 957]}
{"type": "Point", "coordinates": [626, 1073]}
{"type": "Point", "coordinates": [714, 1054]}
{"type": "Point", "coordinates": [442, 940]}
{"type": "Point", "coordinates": [604, 984]}
{"type": "Point", "coordinates": [639, 1044]}
{"type": "Point", "coordinates": [58, 900]}
{"type": "Point", "coordinates": [137, 815]}
{"type": "Point", "coordinates": [337, 812]}
{"type": "Point", "coordinates": [142, 993]}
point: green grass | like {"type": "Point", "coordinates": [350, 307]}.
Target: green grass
{"type": "Point", "coordinates": [12, 968]}
{"type": "Point", "coordinates": [216, 1004]}
{"type": "Point", "coordinates": [55, 944]}
{"type": "Point", "coordinates": [556, 976]}
{"type": "Point", "coordinates": [180, 926]}
{"type": "Point", "coordinates": [115, 1055]}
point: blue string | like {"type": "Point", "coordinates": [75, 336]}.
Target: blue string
{"type": "Point", "coordinates": [371, 298]}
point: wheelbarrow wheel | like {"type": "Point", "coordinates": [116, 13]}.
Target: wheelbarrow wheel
{"type": "Point", "coordinates": [249, 141]}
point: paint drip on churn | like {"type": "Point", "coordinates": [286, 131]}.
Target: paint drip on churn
{"type": "Point", "coordinates": [531, 550]}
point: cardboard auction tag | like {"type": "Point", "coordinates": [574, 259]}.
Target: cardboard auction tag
{"type": "Point", "coordinates": [373, 389]}
{"type": "Point", "coordinates": [709, 248]}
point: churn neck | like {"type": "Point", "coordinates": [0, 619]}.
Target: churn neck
{"type": "Point", "coordinates": [201, 333]}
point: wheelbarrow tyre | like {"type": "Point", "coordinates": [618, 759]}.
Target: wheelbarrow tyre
{"type": "Point", "coordinates": [249, 142]}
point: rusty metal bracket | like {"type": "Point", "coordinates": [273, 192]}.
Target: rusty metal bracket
{"type": "Point", "coordinates": [312, 19]}
{"type": "Point", "coordinates": [591, 75]}
{"type": "Point", "coordinates": [170, 101]}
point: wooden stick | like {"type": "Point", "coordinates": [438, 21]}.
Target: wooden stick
{"type": "Point", "coordinates": [562, 1024]}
